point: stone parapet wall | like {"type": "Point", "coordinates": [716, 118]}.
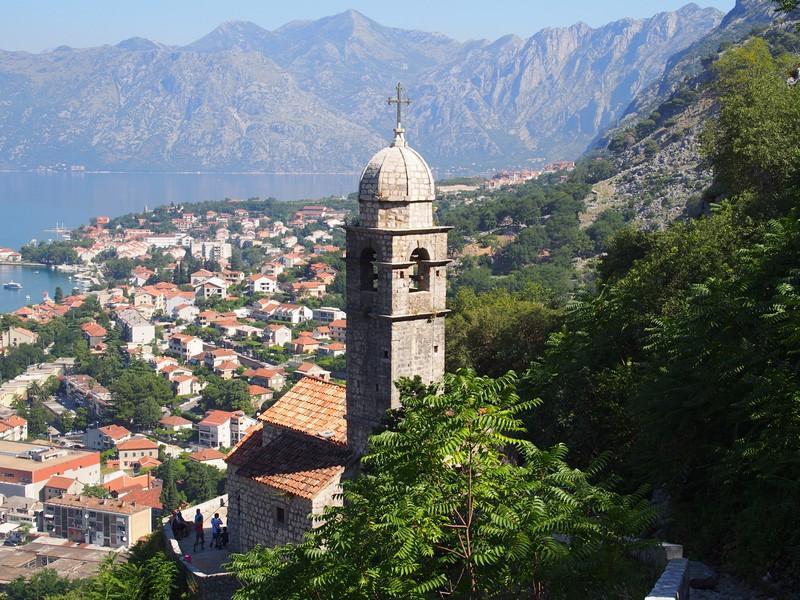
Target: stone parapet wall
{"type": "Point", "coordinates": [673, 583]}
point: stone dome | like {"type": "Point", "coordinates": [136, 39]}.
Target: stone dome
{"type": "Point", "coordinates": [396, 173]}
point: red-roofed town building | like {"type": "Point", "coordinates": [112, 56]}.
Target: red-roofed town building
{"type": "Point", "coordinates": [93, 333]}
{"type": "Point", "coordinates": [308, 369]}
{"type": "Point", "coordinates": [331, 349]}
{"type": "Point", "coordinates": [263, 284]}
{"type": "Point", "coordinates": [223, 429]}
{"type": "Point", "coordinates": [209, 456]}
{"type": "Point", "coordinates": [185, 346]}
{"type": "Point", "coordinates": [16, 336]}
{"type": "Point", "coordinates": [133, 450]}
{"type": "Point", "coordinates": [277, 335]}
{"type": "Point", "coordinates": [292, 464]}
{"type": "Point", "coordinates": [304, 345]}
{"type": "Point", "coordinates": [175, 423]}
{"type": "Point", "coordinates": [105, 438]}
{"type": "Point", "coordinates": [13, 428]}
{"type": "Point", "coordinates": [259, 395]}
{"type": "Point", "coordinates": [186, 385]}
{"type": "Point", "coordinates": [58, 485]}
{"type": "Point", "coordinates": [214, 358]}
{"type": "Point", "coordinates": [271, 377]}
{"type": "Point", "coordinates": [338, 329]}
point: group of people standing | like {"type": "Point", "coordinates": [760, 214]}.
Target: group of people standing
{"type": "Point", "coordinates": [219, 533]}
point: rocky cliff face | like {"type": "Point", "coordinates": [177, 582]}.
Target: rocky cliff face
{"type": "Point", "coordinates": [693, 60]}
{"type": "Point", "coordinates": [310, 95]}
{"type": "Point", "coordinates": [657, 148]}
{"type": "Point", "coordinates": [551, 94]}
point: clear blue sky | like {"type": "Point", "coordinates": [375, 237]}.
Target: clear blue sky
{"type": "Point", "coordinates": [35, 25]}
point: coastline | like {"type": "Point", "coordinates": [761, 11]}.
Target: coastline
{"type": "Point", "coordinates": [11, 263]}
{"type": "Point", "coordinates": [108, 172]}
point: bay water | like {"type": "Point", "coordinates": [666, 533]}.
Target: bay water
{"type": "Point", "coordinates": [31, 203]}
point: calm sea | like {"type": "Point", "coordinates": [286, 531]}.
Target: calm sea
{"type": "Point", "coordinates": [31, 203]}
{"type": "Point", "coordinates": [35, 282]}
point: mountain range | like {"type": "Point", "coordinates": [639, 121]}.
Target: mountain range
{"type": "Point", "coordinates": [311, 95]}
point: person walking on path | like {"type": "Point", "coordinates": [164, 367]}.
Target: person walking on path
{"type": "Point", "coordinates": [199, 535]}
{"type": "Point", "coordinates": [216, 526]}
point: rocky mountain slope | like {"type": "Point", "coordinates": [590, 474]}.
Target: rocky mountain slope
{"type": "Point", "coordinates": [310, 96]}
{"type": "Point", "coordinates": [656, 150]}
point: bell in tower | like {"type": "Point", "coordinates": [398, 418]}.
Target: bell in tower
{"type": "Point", "coordinates": [396, 284]}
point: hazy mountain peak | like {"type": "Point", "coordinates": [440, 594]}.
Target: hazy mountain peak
{"type": "Point", "coordinates": [243, 97]}
{"type": "Point", "coordinates": [232, 35]}
{"type": "Point", "coordinates": [138, 43]}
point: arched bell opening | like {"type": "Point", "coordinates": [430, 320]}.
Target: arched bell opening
{"type": "Point", "coordinates": [368, 270]}
{"type": "Point", "coordinates": [420, 271]}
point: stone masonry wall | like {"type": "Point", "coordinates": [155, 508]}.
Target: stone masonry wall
{"type": "Point", "coordinates": [252, 515]}
{"type": "Point", "coordinates": [392, 332]}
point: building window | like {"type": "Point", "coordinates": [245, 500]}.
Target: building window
{"type": "Point", "coordinates": [368, 270]}
{"type": "Point", "coordinates": [420, 271]}
{"type": "Point", "coordinates": [280, 515]}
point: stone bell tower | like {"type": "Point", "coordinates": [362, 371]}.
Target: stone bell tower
{"type": "Point", "coordinates": [396, 285]}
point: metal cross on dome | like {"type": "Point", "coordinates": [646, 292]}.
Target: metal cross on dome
{"type": "Point", "coordinates": [399, 100]}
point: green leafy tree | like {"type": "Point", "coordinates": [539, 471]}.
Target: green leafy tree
{"type": "Point", "coordinates": [51, 253]}
{"type": "Point", "coordinates": [33, 410]}
{"type": "Point", "coordinates": [227, 394]}
{"type": "Point", "coordinates": [171, 498]}
{"type": "Point", "coordinates": [58, 296]}
{"type": "Point", "coordinates": [454, 503]}
{"type": "Point", "coordinates": [202, 482]}
{"type": "Point", "coordinates": [496, 331]}
{"type": "Point", "coordinates": [81, 419]}
{"type": "Point", "coordinates": [787, 5]}
{"type": "Point", "coordinates": [153, 578]}
{"type": "Point", "coordinates": [66, 422]}
{"type": "Point", "coordinates": [754, 143]}
{"type": "Point", "coordinates": [16, 360]}
{"type": "Point", "coordinates": [607, 224]}
{"type": "Point", "coordinates": [118, 268]}
{"type": "Point", "coordinates": [42, 584]}
{"type": "Point", "coordinates": [95, 491]}
{"type": "Point", "coordinates": [137, 395]}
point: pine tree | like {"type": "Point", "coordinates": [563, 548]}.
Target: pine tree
{"type": "Point", "coordinates": [170, 497]}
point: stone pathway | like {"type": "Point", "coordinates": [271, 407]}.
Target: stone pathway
{"type": "Point", "coordinates": [728, 588]}
{"type": "Point", "coordinates": [209, 560]}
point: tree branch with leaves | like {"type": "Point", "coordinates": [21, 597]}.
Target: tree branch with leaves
{"type": "Point", "coordinates": [452, 502]}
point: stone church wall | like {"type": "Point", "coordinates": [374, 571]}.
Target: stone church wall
{"type": "Point", "coordinates": [258, 504]}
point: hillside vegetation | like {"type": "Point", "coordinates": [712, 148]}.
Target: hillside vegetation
{"type": "Point", "coordinates": [660, 171]}
{"type": "Point", "coordinates": [682, 367]}
{"type": "Point", "coordinates": [675, 376]}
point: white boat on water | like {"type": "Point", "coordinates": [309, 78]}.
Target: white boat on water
{"type": "Point", "coordinates": [12, 285]}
